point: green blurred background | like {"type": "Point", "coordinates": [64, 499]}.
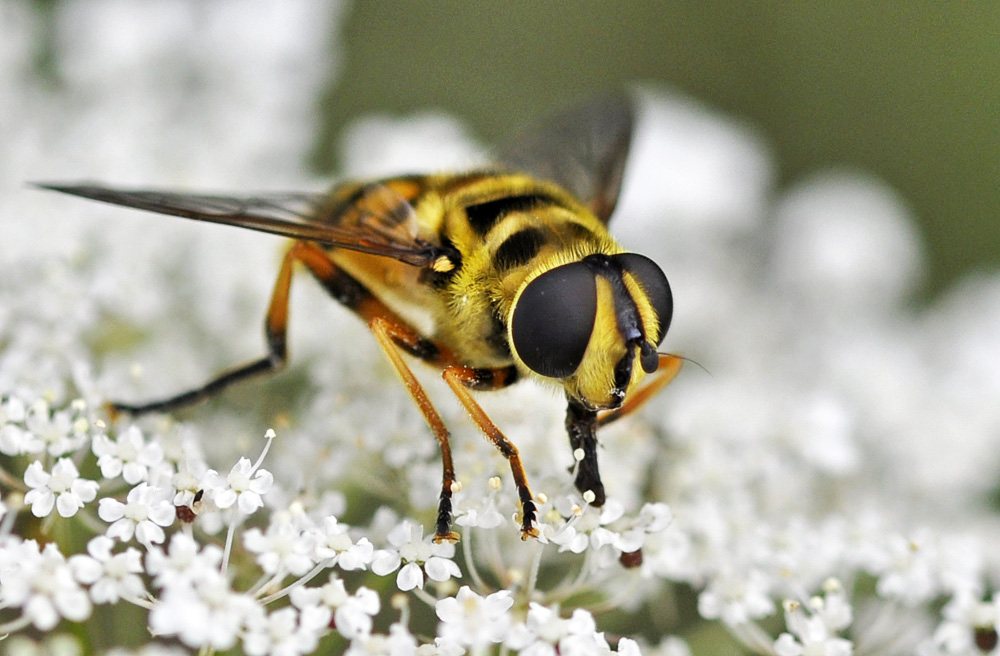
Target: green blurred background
{"type": "Point", "coordinates": [905, 90]}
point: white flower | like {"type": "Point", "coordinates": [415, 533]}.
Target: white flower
{"type": "Point", "coordinates": [967, 619]}
{"type": "Point", "coordinates": [12, 411]}
{"type": "Point", "coordinates": [736, 596]}
{"type": "Point", "coordinates": [111, 576]}
{"type": "Point", "coordinates": [560, 525]}
{"type": "Point", "coordinates": [629, 534]}
{"type": "Point", "coordinates": [788, 302]}
{"type": "Point", "coordinates": [545, 633]}
{"type": "Point", "coordinates": [331, 542]}
{"type": "Point", "coordinates": [204, 612]}
{"type": "Point", "coordinates": [810, 634]}
{"type": "Point", "coordinates": [419, 555]}
{"type": "Point", "coordinates": [282, 548]}
{"type": "Point", "coordinates": [909, 568]}
{"type": "Point", "coordinates": [53, 643]}
{"type": "Point", "coordinates": [588, 526]}
{"type": "Point", "coordinates": [244, 486]}
{"type": "Point", "coordinates": [184, 562]}
{"type": "Point", "coordinates": [470, 620]}
{"type": "Point", "coordinates": [59, 432]}
{"type": "Point", "coordinates": [565, 536]}
{"type": "Point", "coordinates": [13, 437]}
{"type": "Point", "coordinates": [14, 440]}
{"type": "Point", "coordinates": [481, 513]}
{"type": "Point", "coordinates": [63, 488]}
{"type": "Point", "coordinates": [834, 607]}
{"type": "Point", "coordinates": [669, 646]}
{"type": "Point", "coordinates": [41, 583]}
{"type": "Point", "coordinates": [352, 614]}
{"type": "Point", "coordinates": [145, 510]}
{"type": "Point", "coordinates": [398, 642]}
{"type": "Point", "coordinates": [281, 634]}
{"type": "Point", "coordinates": [129, 456]}
{"type": "Point", "coordinates": [192, 476]}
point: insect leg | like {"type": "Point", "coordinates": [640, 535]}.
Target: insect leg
{"type": "Point", "coordinates": [461, 380]}
{"type": "Point", "coordinates": [391, 335]}
{"type": "Point", "coordinates": [581, 426]}
{"type": "Point", "coordinates": [275, 330]}
{"type": "Point", "coordinates": [666, 371]}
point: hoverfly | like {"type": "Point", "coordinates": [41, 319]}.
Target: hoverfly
{"type": "Point", "coordinates": [514, 263]}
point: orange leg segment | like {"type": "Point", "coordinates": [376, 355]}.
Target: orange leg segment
{"type": "Point", "coordinates": [275, 330]}
{"type": "Point", "coordinates": [461, 380]}
{"type": "Point", "coordinates": [393, 334]}
{"type": "Point", "coordinates": [387, 333]}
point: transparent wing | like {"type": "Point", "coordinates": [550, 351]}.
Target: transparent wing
{"type": "Point", "coordinates": [583, 149]}
{"type": "Point", "coordinates": [372, 218]}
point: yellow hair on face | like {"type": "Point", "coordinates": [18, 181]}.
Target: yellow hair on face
{"type": "Point", "coordinates": [593, 381]}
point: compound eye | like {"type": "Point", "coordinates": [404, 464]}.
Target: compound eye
{"type": "Point", "coordinates": [553, 319]}
{"type": "Point", "coordinates": [654, 283]}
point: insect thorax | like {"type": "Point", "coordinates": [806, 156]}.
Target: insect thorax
{"type": "Point", "coordinates": [507, 229]}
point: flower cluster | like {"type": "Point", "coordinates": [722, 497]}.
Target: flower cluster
{"type": "Point", "coordinates": [187, 587]}
{"type": "Point", "coordinates": [825, 489]}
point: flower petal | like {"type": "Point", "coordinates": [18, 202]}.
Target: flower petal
{"type": "Point", "coordinates": [411, 576]}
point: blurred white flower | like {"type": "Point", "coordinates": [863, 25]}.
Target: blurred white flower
{"type": "Point", "coordinates": [398, 642]}
{"type": "Point", "coordinates": [377, 146]}
{"type": "Point", "coordinates": [40, 583]}
{"type": "Point", "coordinates": [737, 596]}
{"type": "Point", "coordinates": [13, 437]}
{"type": "Point", "coordinates": [909, 569]}
{"type": "Point", "coordinates": [669, 646]}
{"type": "Point", "coordinates": [628, 647]}
{"type": "Point", "coordinates": [545, 633]}
{"type": "Point", "coordinates": [812, 633]}
{"type": "Point", "coordinates": [14, 440]}
{"type": "Point", "coordinates": [151, 649]}
{"type": "Point", "coordinates": [63, 489]}
{"type": "Point", "coordinates": [818, 216]}
{"type": "Point", "coordinates": [185, 561]}
{"type": "Point", "coordinates": [472, 621]}
{"type": "Point", "coordinates": [281, 633]}
{"type": "Point", "coordinates": [52, 644]}
{"type": "Point", "coordinates": [332, 542]}
{"type": "Point", "coordinates": [12, 411]}
{"type": "Point", "coordinates": [129, 456]}
{"type": "Point", "coordinates": [110, 576]}
{"type": "Point", "coordinates": [203, 612]}
{"type": "Point", "coordinates": [481, 513]}
{"type": "Point", "coordinates": [969, 627]}
{"type": "Point", "coordinates": [58, 432]}
{"type": "Point", "coordinates": [282, 548]}
{"type": "Point", "coordinates": [352, 614]}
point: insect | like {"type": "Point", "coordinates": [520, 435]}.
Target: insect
{"type": "Point", "coordinates": [514, 263]}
